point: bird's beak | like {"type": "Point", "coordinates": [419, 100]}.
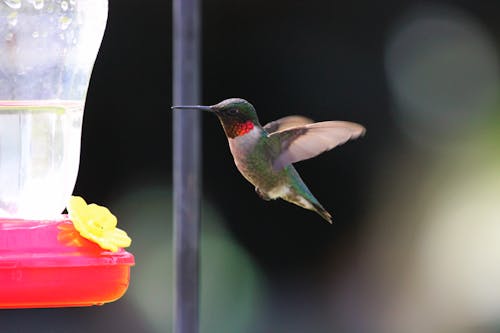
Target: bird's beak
{"type": "Point", "coordinates": [194, 107]}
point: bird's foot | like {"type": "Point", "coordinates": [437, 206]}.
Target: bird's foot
{"type": "Point", "coordinates": [262, 195]}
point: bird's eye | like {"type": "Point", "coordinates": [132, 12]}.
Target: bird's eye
{"type": "Point", "coordinates": [232, 111]}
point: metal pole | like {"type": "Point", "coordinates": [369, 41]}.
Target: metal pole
{"type": "Point", "coordinates": [186, 164]}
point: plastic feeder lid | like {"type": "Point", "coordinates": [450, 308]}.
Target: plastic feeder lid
{"type": "Point", "coordinates": [48, 264]}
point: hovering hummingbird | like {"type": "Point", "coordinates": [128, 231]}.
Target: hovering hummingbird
{"type": "Point", "coordinates": [264, 154]}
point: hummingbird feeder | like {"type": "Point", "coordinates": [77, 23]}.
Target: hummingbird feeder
{"type": "Point", "coordinates": [49, 259]}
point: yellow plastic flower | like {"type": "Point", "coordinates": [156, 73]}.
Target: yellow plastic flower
{"type": "Point", "coordinates": [97, 224]}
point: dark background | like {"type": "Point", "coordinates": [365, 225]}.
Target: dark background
{"type": "Point", "coordinates": [323, 59]}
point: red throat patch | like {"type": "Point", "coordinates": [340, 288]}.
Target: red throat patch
{"type": "Point", "coordinates": [238, 129]}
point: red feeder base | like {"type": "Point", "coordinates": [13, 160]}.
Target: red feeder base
{"type": "Point", "coordinates": [47, 264]}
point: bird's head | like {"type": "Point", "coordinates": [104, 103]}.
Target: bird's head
{"type": "Point", "coordinates": [238, 117]}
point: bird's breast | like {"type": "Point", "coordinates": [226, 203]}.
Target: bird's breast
{"type": "Point", "coordinates": [252, 158]}
{"type": "Point", "coordinates": [244, 149]}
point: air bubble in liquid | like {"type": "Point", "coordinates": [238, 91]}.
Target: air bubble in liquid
{"type": "Point", "coordinates": [64, 22]}
{"type": "Point", "coordinates": [14, 4]}
{"type": "Point", "coordinates": [12, 19]}
{"type": "Point", "coordinates": [38, 4]}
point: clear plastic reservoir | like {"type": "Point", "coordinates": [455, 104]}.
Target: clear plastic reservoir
{"type": "Point", "coordinates": [47, 51]}
{"type": "Point", "coordinates": [39, 156]}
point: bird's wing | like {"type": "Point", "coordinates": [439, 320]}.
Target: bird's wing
{"type": "Point", "coordinates": [286, 122]}
{"type": "Point", "coordinates": [304, 142]}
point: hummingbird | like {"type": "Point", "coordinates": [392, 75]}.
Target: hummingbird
{"type": "Point", "coordinates": [264, 155]}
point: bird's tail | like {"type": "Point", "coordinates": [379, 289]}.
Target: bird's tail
{"type": "Point", "coordinates": [300, 195]}
{"type": "Point", "coordinates": [322, 211]}
{"type": "Point", "coordinates": [307, 201]}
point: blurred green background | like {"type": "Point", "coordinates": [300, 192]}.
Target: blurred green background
{"type": "Point", "coordinates": [415, 244]}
